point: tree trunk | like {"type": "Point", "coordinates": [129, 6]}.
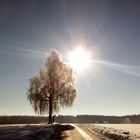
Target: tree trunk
{"type": "Point", "coordinates": [50, 111]}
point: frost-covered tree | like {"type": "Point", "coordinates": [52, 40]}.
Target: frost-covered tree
{"type": "Point", "coordinates": [53, 87]}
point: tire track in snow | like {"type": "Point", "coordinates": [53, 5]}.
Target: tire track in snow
{"type": "Point", "coordinates": [82, 132]}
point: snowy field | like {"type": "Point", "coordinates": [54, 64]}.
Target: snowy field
{"type": "Point", "coordinates": [117, 131]}
{"type": "Point", "coordinates": [133, 128]}
{"type": "Point", "coordinates": [33, 132]}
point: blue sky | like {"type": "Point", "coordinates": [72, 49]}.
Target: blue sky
{"type": "Point", "coordinates": [110, 29]}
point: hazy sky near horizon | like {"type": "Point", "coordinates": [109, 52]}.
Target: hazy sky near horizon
{"type": "Point", "coordinates": [110, 29]}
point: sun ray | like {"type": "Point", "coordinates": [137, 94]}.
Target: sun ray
{"type": "Point", "coordinates": [127, 69]}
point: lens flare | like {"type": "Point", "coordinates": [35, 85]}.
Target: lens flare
{"type": "Point", "coordinates": [79, 59]}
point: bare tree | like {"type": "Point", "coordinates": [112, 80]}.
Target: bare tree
{"type": "Point", "coordinates": [53, 87]}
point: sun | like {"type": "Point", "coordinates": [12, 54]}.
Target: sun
{"type": "Point", "coordinates": [79, 59]}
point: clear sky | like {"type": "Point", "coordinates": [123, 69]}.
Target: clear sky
{"type": "Point", "coordinates": [109, 28]}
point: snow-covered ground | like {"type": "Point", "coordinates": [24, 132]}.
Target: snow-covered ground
{"type": "Point", "coordinates": [33, 132]}
{"type": "Point", "coordinates": [117, 131]}
{"type": "Point", "coordinates": [134, 128]}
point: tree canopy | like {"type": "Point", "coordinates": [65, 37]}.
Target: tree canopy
{"type": "Point", "coordinates": [53, 87]}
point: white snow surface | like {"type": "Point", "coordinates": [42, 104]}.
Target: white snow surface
{"type": "Point", "coordinates": [117, 131]}
{"type": "Point", "coordinates": [133, 128]}
{"type": "Point", "coordinates": [83, 133]}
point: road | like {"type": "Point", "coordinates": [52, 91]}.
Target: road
{"type": "Point", "coordinates": [79, 134]}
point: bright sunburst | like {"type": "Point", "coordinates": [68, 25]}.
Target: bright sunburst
{"type": "Point", "coordinates": [79, 59]}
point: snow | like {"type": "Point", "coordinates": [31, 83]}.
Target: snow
{"type": "Point", "coordinates": [117, 131]}
{"type": "Point", "coordinates": [31, 132]}
{"type": "Point", "coordinates": [134, 128]}
{"type": "Point", "coordinates": [83, 133]}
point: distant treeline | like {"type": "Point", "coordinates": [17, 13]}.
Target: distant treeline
{"type": "Point", "coordinates": [70, 119]}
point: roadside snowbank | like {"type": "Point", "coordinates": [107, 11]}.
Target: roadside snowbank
{"type": "Point", "coordinates": [115, 134]}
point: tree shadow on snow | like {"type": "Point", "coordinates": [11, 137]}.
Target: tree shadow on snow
{"type": "Point", "coordinates": [36, 132]}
